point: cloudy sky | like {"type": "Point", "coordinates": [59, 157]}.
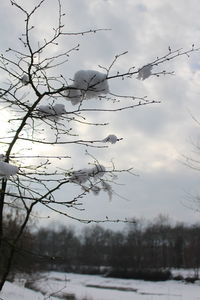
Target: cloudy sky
{"type": "Point", "coordinates": [155, 137]}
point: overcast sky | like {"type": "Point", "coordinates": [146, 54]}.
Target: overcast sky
{"type": "Point", "coordinates": [154, 137]}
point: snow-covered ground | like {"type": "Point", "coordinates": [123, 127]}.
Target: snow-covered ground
{"type": "Point", "coordinates": [99, 288]}
{"type": "Point", "coordinates": [12, 291]}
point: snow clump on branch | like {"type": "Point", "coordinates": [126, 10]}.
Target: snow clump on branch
{"type": "Point", "coordinates": [92, 83]}
{"type": "Point", "coordinates": [111, 138]}
{"type": "Point", "coordinates": [96, 173]}
{"type": "Point", "coordinates": [7, 169]}
{"type": "Point", "coordinates": [73, 94]}
{"type": "Point", "coordinates": [55, 110]}
{"type": "Point", "coordinates": [83, 175]}
{"type": "Point", "coordinates": [88, 84]}
{"type": "Point", "coordinates": [145, 72]}
{"type": "Point", "coordinates": [105, 186]}
{"type": "Point", "coordinates": [25, 79]}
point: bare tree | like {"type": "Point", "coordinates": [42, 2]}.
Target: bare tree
{"type": "Point", "coordinates": [192, 161]}
{"type": "Point", "coordinates": [29, 79]}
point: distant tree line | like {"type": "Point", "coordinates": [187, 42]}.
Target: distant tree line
{"type": "Point", "coordinates": [154, 246]}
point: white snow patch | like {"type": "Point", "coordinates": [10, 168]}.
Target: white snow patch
{"type": "Point", "coordinates": [25, 79]}
{"type": "Point", "coordinates": [52, 110]}
{"type": "Point", "coordinates": [7, 169]}
{"type": "Point", "coordinates": [106, 187]}
{"type": "Point", "coordinates": [73, 94]}
{"type": "Point", "coordinates": [145, 72]}
{"type": "Point", "coordinates": [101, 288]}
{"type": "Point", "coordinates": [83, 175]}
{"type": "Point", "coordinates": [111, 138]}
{"type": "Point", "coordinates": [12, 291]}
{"type": "Point", "coordinates": [87, 84]}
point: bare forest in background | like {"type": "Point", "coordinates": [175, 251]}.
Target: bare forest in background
{"type": "Point", "coordinates": [141, 250]}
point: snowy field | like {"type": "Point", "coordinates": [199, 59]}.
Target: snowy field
{"type": "Point", "coordinates": [56, 285]}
